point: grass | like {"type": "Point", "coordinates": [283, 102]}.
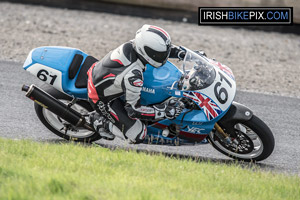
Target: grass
{"type": "Point", "coordinates": [30, 170]}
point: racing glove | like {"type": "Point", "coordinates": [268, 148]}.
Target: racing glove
{"type": "Point", "coordinates": [170, 110]}
{"type": "Point", "coordinates": [176, 52]}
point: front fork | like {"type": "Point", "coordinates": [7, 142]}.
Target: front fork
{"type": "Point", "coordinates": [220, 133]}
{"type": "Point", "coordinates": [237, 111]}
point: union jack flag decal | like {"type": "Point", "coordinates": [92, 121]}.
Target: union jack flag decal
{"type": "Point", "coordinates": [224, 68]}
{"type": "Point", "coordinates": [210, 109]}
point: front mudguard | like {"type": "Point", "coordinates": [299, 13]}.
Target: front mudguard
{"type": "Point", "coordinates": [236, 113]}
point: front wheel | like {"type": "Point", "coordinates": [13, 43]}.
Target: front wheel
{"type": "Point", "coordinates": [251, 140]}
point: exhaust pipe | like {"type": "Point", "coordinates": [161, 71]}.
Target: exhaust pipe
{"type": "Point", "coordinates": [57, 107]}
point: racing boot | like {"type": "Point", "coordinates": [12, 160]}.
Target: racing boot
{"type": "Point", "coordinates": [101, 125]}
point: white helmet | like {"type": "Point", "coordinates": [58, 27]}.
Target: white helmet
{"type": "Point", "coordinates": [153, 44]}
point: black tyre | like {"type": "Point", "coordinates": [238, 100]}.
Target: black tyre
{"type": "Point", "coordinates": [253, 141]}
{"type": "Point", "coordinates": [58, 126]}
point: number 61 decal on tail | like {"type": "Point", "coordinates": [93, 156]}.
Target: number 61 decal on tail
{"type": "Point", "coordinates": [47, 74]}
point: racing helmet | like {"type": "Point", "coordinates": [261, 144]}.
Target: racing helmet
{"type": "Point", "coordinates": [153, 44]}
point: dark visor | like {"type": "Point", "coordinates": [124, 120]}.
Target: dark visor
{"type": "Point", "coordinates": [158, 56]}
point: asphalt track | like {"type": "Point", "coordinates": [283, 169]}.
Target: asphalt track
{"type": "Point", "coordinates": [18, 121]}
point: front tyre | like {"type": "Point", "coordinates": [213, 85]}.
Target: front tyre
{"type": "Point", "coordinates": [252, 140]}
{"type": "Point", "coordinates": [59, 126]}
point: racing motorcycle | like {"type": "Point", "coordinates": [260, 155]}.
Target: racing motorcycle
{"type": "Point", "coordinates": [206, 87]}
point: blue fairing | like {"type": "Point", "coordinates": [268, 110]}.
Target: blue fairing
{"type": "Point", "coordinates": [157, 88]}
{"type": "Point", "coordinates": [59, 58]}
{"type": "Point", "coordinates": [194, 126]}
{"type": "Point", "coordinates": [156, 82]}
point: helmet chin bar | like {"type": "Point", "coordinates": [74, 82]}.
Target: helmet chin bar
{"type": "Point", "coordinates": [153, 64]}
{"type": "Point", "coordinates": [144, 61]}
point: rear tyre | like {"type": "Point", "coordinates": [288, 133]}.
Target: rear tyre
{"type": "Point", "coordinates": [252, 141]}
{"type": "Point", "coordinates": [59, 126]}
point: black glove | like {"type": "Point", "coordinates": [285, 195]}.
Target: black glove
{"type": "Point", "coordinates": [181, 54]}
{"type": "Point", "coordinates": [173, 109]}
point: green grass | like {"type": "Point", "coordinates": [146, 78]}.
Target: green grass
{"type": "Point", "coordinates": [30, 170]}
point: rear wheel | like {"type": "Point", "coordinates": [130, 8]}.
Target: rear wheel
{"type": "Point", "coordinates": [251, 140]}
{"type": "Point", "coordinates": [61, 127]}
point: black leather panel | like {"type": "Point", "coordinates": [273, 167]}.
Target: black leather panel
{"type": "Point", "coordinates": [129, 52]}
{"type": "Point", "coordinates": [81, 81]}
{"type": "Point", "coordinates": [74, 67]}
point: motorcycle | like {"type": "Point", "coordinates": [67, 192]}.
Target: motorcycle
{"type": "Point", "coordinates": [206, 87]}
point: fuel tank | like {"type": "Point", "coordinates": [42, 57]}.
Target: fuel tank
{"type": "Point", "coordinates": [157, 81]}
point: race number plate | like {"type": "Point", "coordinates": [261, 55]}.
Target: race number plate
{"type": "Point", "coordinates": [222, 91]}
{"type": "Point", "coordinates": [47, 74]}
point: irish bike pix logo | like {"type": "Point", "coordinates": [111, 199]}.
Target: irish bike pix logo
{"type": "Point", "coordinates": [245, 16]}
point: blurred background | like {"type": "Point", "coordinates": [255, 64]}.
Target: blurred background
{"type": "Point", "coordinates": [185, 10]}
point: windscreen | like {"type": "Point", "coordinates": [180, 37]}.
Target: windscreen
{"type": "Point", "coordinates": [201, 74]}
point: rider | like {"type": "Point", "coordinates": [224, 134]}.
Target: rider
{"type": "Point", "coordinates": [120, 73]}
